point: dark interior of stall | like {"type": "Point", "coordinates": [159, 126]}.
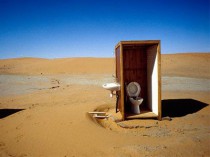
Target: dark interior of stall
{"type": "Point", "coordinates": [135, 70]}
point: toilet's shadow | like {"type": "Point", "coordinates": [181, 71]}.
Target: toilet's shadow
{"type": "Point", "coordinates": [7, 112]}
{"type": "Point", "coordinates": [181, 107]}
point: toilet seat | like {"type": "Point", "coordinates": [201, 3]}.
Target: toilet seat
{"type": "Point", "coordinates": [133, 89]}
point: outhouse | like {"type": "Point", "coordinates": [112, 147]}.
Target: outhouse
{"type": "Point", "coordinates": [139, 62]}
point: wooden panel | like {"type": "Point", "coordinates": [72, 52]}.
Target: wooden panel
{"type": "Point", "coordinates": [152, 78]}
{"type": "Point", "coordinates": [118, 75]}
{"type": "Point", "coordinates": [144, 114]}
{"type": "Point", "coordinates": [139, 43]}
{"type": "Point", "coordinates": [159, 83]}
{"type": "Point", "coordinates": [122, 98]}
{"type": "Point", "coordinates": [117, 54]}
{"type": "Point", "coordinates": [135, 70]}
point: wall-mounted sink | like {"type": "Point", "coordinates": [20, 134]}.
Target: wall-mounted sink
{"type": "Point", "coordinates": [112, 87]}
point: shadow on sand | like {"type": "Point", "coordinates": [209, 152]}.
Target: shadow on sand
{"type": "Point", "coordinates": [7, 112]}
{"type": "Point", "coordinates": [181, 107]}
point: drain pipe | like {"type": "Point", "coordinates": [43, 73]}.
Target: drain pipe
{"type": "Point", "coordinates": [117, 97]}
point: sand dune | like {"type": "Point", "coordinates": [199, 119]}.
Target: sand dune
{"type": "Point", "coordinates": [188, 64]}
{"type": "Point", "coordinates": [57, 66]}
{"type": "Point", "coordinates": [44, 105]}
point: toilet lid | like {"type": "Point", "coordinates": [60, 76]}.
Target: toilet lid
{"type": "Point", "coordinates": [133, 89]}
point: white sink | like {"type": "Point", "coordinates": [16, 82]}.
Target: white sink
{"type": "Point", "coordinates": [112, 87]}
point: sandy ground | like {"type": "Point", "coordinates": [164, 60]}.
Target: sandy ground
{"type": "Point", "coordinates": [44, 105]}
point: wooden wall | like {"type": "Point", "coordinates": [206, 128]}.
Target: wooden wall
{"type": "Point", "coordinates": [152, 78]}
{"type": "Point", "coordinates": [135, 70]}
{"type": "Point", "coordinates": [118, 76]}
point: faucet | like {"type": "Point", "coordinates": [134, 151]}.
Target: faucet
{"type": "Point", "coordinates": [115, 78]}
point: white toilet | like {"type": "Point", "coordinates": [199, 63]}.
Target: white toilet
{"type": "Point", "coordinates": [133, 90]}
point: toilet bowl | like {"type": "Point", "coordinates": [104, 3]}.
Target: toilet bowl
{"type": "Point", "coordinates": [133, 90]}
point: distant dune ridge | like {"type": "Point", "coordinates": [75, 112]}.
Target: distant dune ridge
{"type": "Point", "coordinates": [184, 64]}
{"type": "Point", "coordinates": [56, 66]}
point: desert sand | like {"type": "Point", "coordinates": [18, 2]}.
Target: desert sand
{"type": "Point", "coordinates": [44, 105]}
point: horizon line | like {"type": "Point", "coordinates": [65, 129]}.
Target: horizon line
{"type": "Point", "coordinates": [34, 57]}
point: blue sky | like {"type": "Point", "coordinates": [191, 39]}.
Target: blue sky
{"type": "Point", "coordinates": [92, 28]}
